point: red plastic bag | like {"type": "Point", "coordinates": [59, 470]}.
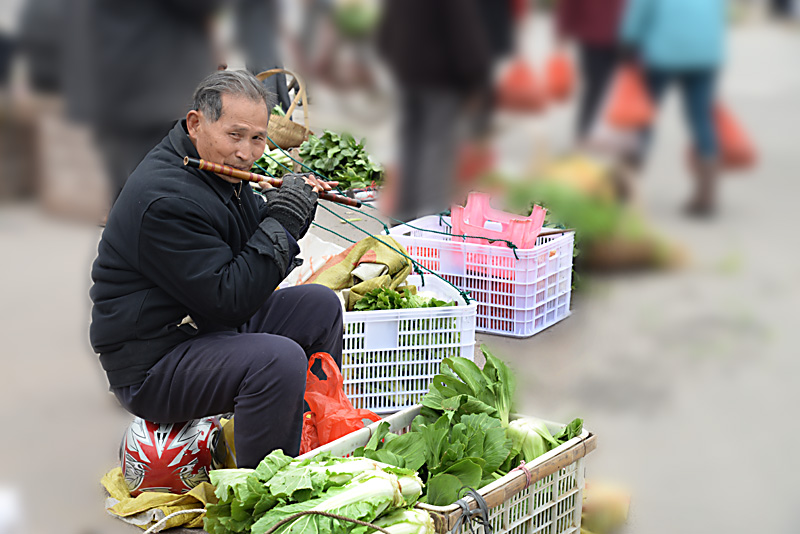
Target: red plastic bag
{"type": "Point", "coordinates": [331, 411]}
{"type": "Point", "coordinates": [629, 105]}
{"type": "Point", "coordinates": [736, 148]}
{"type": "Point", "coordinates": [309, 439]}
{"type": "Point", "coordinates": [560, 76]}
{"type": "Point", "coordinates": [520, 89]}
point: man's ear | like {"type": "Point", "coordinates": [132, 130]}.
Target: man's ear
{"type": "Point", "coordinates": [193, 120]}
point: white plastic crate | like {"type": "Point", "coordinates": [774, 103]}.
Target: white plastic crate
{"type": "Point", "coordinates": [517, 296]}
{"type": "Point", "coordinates": [550, 503]}
{"type": "Point", "coordinates": [390, 356]}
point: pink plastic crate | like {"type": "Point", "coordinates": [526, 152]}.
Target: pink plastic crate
{"type": "Point", "coordinates": [478, 218]}
{"type": "Point", "coordinates": [517, 296]}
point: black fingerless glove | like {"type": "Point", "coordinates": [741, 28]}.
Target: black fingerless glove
{"type": "Point", "coordinates": [292, 204]}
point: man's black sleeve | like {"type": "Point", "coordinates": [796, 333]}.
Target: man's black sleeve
{"type": "Point", "coordinates": [189, 259]}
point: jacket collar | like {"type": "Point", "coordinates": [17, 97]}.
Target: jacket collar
{"type": "Point", "coordinates": [183, 146]}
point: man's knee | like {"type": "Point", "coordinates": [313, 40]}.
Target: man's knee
{"type": "Point", "coordinates": [280, 362]}
{"type": "Point", "coordinates": [325, 300]}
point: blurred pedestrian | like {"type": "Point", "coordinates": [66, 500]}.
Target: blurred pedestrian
{"type": "Point", "coordinates": [439, 54]}
{"type": "Point", "coordinates": [258, 30]}
{"type": "Point", "coordinates": [682, 42]}
{"type": "Point", "coordinates": [133, 67]}
{"type": "Point", "coordinates": [594, 26]}
{"type": "Point", "coordinates": [782, 9]}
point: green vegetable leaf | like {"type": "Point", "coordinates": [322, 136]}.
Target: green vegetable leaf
{"type": "Point", "coordinates": [271, 464]}
{"type": "Point", "coordinates": [443, 489]}
{"type": "Point", "coordinates": [410, 448]}
{"type": "Point", "coordinates": [230, 483]}
{"type": "Point", "coordinates": [572, 430]}
{"type": "Point", "coordinates": [501, 382]}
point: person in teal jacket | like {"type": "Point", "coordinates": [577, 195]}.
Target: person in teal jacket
{"type": "Point", "coordinates": [682, 42]}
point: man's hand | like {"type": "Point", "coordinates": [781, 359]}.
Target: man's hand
{"type": "Point", "coordinates": [293, 202]}
{"type": "Point", "coordinates": [317, 184]}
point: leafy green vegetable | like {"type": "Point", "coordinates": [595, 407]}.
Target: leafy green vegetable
{"type": "Point", "coordinates": [248, 495]}
{"type": "Point", "coordinates": [340, 158]}
{"type": "Point", "coordinates": [384, 298]}
{"type": "Point", "coordinates": [278, 110]}
{"type": "Point", "coordinates": [273, 163]}
{"type": "Point", "coordinates": [365, 497]}
{"type": "Point", "coordinates": [462, 388]}
{"type": "Point", "coordinates": [406, 522]}
{"type": "Point", "coordinates": [531, 438]}
{"type": "Point", "coordinates": [458, 440]}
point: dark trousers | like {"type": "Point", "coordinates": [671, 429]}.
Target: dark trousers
{"type": "Point", "coordinates": [598, 64]}
{"type": "Point", "coordinates": [123, 149]}
{"type": "Point", "coordinates": [258, 373]}
{"type": "Point", "coordinates": [431, 127]}
{"type": "Point", "coordinates": [698, 88]}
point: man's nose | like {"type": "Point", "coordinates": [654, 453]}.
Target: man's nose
{"type": "Point", "coordinates": [242, 153]}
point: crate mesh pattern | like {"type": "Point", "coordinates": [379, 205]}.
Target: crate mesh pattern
{"type": "Point", "coordinates": [518, 295]}
{"type": "Point", "coordinates": [390, 356]}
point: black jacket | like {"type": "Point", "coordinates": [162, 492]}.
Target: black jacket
{"type": "Point", "coordinates": [179, 243]}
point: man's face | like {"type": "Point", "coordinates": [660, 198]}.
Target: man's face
{"type": "Point", "coordinates": [236, 139]}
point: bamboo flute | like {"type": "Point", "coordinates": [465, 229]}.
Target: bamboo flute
{"type": "Point", "coordinates": [252, 177]}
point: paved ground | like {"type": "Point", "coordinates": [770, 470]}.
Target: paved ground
{"type": "Point", "coordinates": [688, 378]}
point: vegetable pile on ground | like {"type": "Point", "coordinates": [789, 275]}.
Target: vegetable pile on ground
{"type": "Point", "coordinates": [579, 194]}
{"type": "Point", "coordinates": [254, 500]}
{"type": "Point", "coordinates": [341, 158]}
{"type": "Point", "coordinates": [463, 436]}
{"type": "Point", "coordinates": [384, 298]}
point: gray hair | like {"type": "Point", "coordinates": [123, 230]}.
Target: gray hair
{"type": "Point", "coordinates": [208, 95]}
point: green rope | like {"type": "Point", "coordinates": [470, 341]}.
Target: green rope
{"type": "Point", "coordinates": [491, 240]}
{"type": "Point", "coordinates": [417, 266]}
{"type": "Point", "coordinates": [508, 243]}
{"type": "Point", "coordinates": [333, 232]}
{"type": "Point", "coordinates": [299, 162]}
{"type": "Point", "coordinates": [265, 170]}
{"type": "Point", "coordinates": [385, 226]}
{"type": "Point", "coordinates": [278, 162]}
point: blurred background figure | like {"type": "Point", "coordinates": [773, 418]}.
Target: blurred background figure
{"type": "Point", "coordinates": [782, 9]}
{"type": "Point", "coordinates": [131, 72]}
{"type": "Point", "coordinates": [594, 27]}
{"type": "Point", "coordinates": [440, 57]}
{"type": "Point", "coordinates": [682, 42]}
{"type": "Point", "coordinates": [257, 30]}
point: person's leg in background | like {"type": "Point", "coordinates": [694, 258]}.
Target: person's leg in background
{"type": "Point", "coordinates": [407, 179]}
{"type": "Point", "coordinates": [597, 64]}
{"type": "Point", "coordinates": [698, 89]}
{"type": "Point", "coordinates": [258, 32]}
{"type": "Point", "coordinates": [657, 82]}
{"type": "Point", "coordinates": [122, 150]}
{"type": "Point", "coordinates": [441, 136]}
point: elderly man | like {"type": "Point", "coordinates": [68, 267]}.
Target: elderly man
{"type": "Point", "coordinates": [186, 318]}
